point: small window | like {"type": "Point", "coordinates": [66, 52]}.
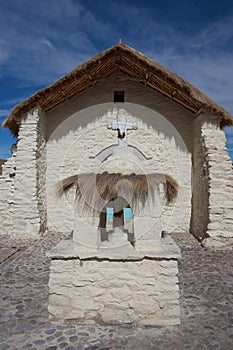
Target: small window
{"type": "Point", "coordinates": [119, 96]}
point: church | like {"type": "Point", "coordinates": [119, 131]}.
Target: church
{"type": "Point", "coordinates": [119, 111]}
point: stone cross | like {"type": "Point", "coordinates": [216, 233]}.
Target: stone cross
{"type": "Point", "coordinates": [122, 126]}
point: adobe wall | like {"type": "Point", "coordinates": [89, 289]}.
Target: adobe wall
{"type": "Point", "coordinates": [77, 130]}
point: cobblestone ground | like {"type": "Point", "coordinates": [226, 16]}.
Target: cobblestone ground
{"type": "Point", "coordinates": [206, 284]}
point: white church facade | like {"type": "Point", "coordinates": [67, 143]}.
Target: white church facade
{"type": "Point", "coordinates": [68, 129]}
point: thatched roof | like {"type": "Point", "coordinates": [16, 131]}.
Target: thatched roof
{"type": "Point", "coordinates": [127, 60]}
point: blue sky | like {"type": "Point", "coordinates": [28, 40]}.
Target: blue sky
{"type": "Point", "coordinates": [40, 41]}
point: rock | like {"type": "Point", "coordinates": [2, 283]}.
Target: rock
{"type": "Point", "coordinates": [217, 242]}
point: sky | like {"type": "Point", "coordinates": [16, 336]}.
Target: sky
{"type": "Point", "coordinates": [40, 41]}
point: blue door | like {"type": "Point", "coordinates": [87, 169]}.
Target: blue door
{"type": "Point", "coordinates": [128, 213]}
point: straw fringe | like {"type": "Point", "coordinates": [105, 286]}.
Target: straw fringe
{"type": "Point", "coordinates": [94, 190]}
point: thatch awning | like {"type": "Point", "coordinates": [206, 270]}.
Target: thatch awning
{"type": "Point", "coordinates": [127, 60]}
{"type": "Point", "coordinates": [92, 189]}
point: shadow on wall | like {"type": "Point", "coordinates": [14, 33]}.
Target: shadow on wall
{"type": "Point", "coordinates": [136, 95]}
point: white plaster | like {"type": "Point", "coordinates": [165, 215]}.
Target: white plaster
{"type": "Point", "coordinates": [82, 133]}
{"type": "Point", "coordinates": [115, 287]}
{"type": "Point", "coordinates": [213, 184]}
{"type": "Point", "coordinates": [28, 216]}
{"type": "Point", "coordinates": [77, 130]}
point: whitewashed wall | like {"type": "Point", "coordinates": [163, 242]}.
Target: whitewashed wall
{"type": "Point", "coordinates": [77, 130]}
{"type": "Point", "coordinates": [220, 188]}
{"type": "Point", "coordinates": [28, 215]}
{"type": "Point", "coordinates": [74, 131]}
{"type": "Point", "coordinates": [7, 196]}
{"type": "Point", "coordinates": [212, 216]}
{"type": "Point", "coordinates": [111, 292]}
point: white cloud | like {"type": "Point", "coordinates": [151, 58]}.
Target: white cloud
{"type": "Point", "coordinates": [4, 112]}
{"type": "Point", "coordinates": [46, 39]}
{"type": "Point", "coordinates": [210, 74]}
{"type": "Point", "coordinates": [216, 33]}
{"type": "Point", "coordinates": [4, 52]}
{"type": "Point", "coordinates": [209, 67]}
{"type": "Point", "coordinates": [43, 40]}
{"type": "Point", "coordinates": [14, 100]}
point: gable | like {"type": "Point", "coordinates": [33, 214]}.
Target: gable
{"type": "Point", "coordinates": [129, 61]}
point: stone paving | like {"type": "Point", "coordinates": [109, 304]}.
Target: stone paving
{"type": "Point", "coordinates": [206, 284]}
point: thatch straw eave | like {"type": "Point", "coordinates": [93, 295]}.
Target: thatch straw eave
{"type": "Point", "coordinates": [94, 190]}
{"type": "Point", "coordinates": [118, 58]}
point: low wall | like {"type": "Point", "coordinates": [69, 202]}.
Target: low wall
{"type": "Point", "coordinates": [135, 290]}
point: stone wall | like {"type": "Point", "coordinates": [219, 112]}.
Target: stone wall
{"type": "Point", "coordinates": [220, 184]}
{"type": "Point", "coordinates": [28, 215]}
{"type": "Point", "coordinates": [143, 293]}
{"type": "Point", "coordinates": [2, 161]}
{"type": "Point", "coordinates": [7, 196]}
{"type": "Point", "coordinates": [213, 189]}
{"type": "Point", "coordinates": [67, 140]}
{"type": "Point", "coordinates": [77, 130]}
